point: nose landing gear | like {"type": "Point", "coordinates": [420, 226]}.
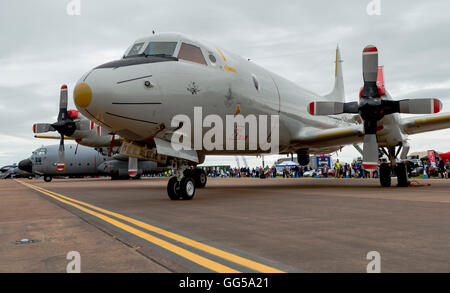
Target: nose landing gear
{"type": "Point", "coordinates": [183, 185]}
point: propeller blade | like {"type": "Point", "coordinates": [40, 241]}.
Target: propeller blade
{"type": "Point", "coordinates": [420, 106]}
{"type": "Point", "coordinates": [370, 72]}
{"type": "Point", "coordinates": [60, 165]}
{"type": "Point", "coordinates": [63, 104]}
{"type": "Point", "coordinates": [132, 166]}
{"type": "Point", "coordinates": [332, 108]}
{"type": "Point", "coordinates": [42, 127]}
{"type": "Point", "coordinates": [370, 64]}
{"type": "Point", "coordinates": [370, 152]}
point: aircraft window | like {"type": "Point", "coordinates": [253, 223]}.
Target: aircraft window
{"type": "Point", "coordinates": [191, 53]}
{"type": "Point", "coordinates": [160, 48]}
{"type": "Point", "coordinates": [136, 49]}
{"type": "Point", "coordinates": [38, 161]}
{"type": "Point", "coordinates": [212, 58]}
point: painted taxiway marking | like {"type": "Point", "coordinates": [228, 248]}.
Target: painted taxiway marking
{"type": "Point", "coordinates": [203, 261]}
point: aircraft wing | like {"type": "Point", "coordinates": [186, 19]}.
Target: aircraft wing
{"type": "Point", "coordinates": [314, 138]}
{"type": "Point", "coordinates": [413, 125]}
{"type": "Point", "coordinates": [53, 137]}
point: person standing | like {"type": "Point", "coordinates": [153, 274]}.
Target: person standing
{"type": "Point", "coordinates": [441, 168]}
{"type": "Point", "coordinates": [337, 169]}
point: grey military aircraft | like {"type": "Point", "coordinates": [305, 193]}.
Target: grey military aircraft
{"type": "Point", "coordinates": [13, 171]}
{"type": "Point", "coordinates": [81, 161]}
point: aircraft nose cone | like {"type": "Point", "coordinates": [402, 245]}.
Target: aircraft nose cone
{"type": "Point", "coordinates": [82, 95]}
{"type": "Point", "coordinates": [26, 165]}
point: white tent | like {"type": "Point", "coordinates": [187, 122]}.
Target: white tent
{"type": "Point", "coordinates": [287, 164]}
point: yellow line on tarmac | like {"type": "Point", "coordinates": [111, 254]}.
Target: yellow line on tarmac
{"type": "Point", "coordinates": [207, 263]}
{"type": "Point", "coordinates": [198, 245]}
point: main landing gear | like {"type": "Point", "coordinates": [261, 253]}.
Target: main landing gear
{"type": "Point", "coordinates": [183, 185]}
{"type": "Point", "coordinates": [399, 169]}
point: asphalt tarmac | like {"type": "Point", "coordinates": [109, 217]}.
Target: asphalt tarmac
{"type": "Point", "coordinates": [232, 225]}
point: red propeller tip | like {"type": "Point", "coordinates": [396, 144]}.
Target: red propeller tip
{"type": "Point", "coordinates": [34, 128]}
{"type": "Point", "coordinates": [64, 87]}
{"type": "Point", "coordinates": [132, 172]}
{"type": "Point", "coordinates": [437, 106]}
{"type": "Point", "coordinates": [370, 49]}
{"type": "Point", "coordinates": [311, 108]}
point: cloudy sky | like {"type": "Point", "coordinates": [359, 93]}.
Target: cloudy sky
{"type": "Point", "coordinates": [43, 47]}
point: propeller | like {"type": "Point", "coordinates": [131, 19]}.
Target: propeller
{"type": "Point", "coordinates": [65, 126]}
{"type": "Point", "coordinates": [372, 107]}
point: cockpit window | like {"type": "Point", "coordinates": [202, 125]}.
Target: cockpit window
{"type": "Point", "coordinates": [191, 53]}
{"type": "Point", "coordinates": [41, 152]}
{"type": "Point", "coordinates": [160, 48]}
{"type": "Point", "coordinates": [135, 49]}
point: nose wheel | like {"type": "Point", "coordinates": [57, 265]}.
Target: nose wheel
{"type": "Point", "coordinates": [183, 189]}
{"type": "Point", "coordinates": [183, 185]}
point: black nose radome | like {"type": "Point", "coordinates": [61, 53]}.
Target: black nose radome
{"type": "Point", "coordinates": [26, 165]}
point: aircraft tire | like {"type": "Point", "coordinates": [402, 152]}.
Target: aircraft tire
{"type": "Point", "coordinates": [200, 178]}
{"type": "Point", "coordinates": [47, 178]}
{"type": "Point", "coordinates": [173, 188]}
{"type": "Point", "coordinates": [385, 175]}
{"type": "Point", "coordinates": [187, 188]}
{"type": "Point", "coordinates": [402, 175]}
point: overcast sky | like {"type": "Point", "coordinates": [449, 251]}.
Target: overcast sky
{"type": "Point", "coordinates": [43, 47]}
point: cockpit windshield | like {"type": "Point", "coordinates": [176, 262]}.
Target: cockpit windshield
{"type": "Point", "coordinates": [136, 49]}
{"type": "Point", "coordinates": [160, 48]}
{"type": "Point", "coordinates": [153, 49]}
{"type": "Point", "coordinates": [40, 152]}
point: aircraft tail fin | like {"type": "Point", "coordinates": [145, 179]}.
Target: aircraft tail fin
{"type": "Point", "coordinates": [338, 92]}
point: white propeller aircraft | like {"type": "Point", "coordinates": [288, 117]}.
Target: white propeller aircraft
{"type": "Point", "coordinates": [167, 74]}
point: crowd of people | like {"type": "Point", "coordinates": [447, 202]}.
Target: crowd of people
{"type": "Point", "coordinates": [338, 170]}
{"type": "Point", "coordinates": [439, 170]}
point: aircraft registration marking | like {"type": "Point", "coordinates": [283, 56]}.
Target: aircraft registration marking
{"type": "Point", "coordinates": [102, 214]}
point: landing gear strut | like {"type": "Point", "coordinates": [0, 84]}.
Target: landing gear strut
{"type": "Point", "coordinates": [183, 185]}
